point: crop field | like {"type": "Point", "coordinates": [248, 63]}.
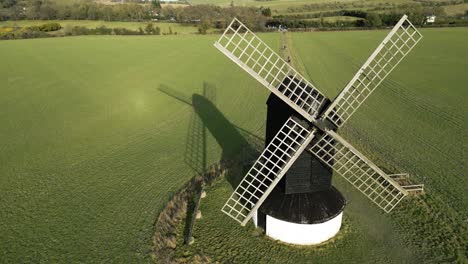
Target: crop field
{"type": "Point", "coordinates": [98, 132]}
{"type": "Point", "coordinates": [415, 122]}
{"type": "Point", "coordinates": [91, 149]}
{"type": "Point", "coordinates": [423, 100]}
{"type": "Point", "coordinates": [456, 9]}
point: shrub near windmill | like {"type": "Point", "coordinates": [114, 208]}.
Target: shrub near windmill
{"type": "Point", "coordinates": [288, 191]}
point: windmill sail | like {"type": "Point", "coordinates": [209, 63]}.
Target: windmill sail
{"type": "Point", "coordinates": [380, 188]}
{"type": "Point", "coordinates": [249, 52]}
{"type": "Point", "coordinates": [398, 43]}
{"type": "Point", "coordinates": [268, 170]}
{"type": "Point", "coordinates": [244, 48]}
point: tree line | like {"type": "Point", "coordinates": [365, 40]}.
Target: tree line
{"type": "Point", "coordinates": [132, 11]}
{"type": "Point", "coordinates": [372, 6]}
{"type": "Point", "coordinates": [369, 19]}
{"type": "Point", "coordinates": [40, 31]}
{"type": "Point", "coordinates": [207, 16]}
{"type": "Point", "coordinates": [49, 9]}
{"type": "Point", "coordinates": [210, 16]}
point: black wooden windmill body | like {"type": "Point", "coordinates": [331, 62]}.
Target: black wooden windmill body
{"type": "Point", "coordinates": [289, 184]}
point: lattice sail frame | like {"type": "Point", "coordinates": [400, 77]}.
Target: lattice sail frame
{"type": "Point", "coordinates": [244, 48]}
{"type": "Point", "coordinates": [358, 170]}
{"type": "Point", "coordinates": [248, 51]}
{"type": "Point", "coordinates": [396, 45]}
{"type": "Point", "coordinates": [267, 171]}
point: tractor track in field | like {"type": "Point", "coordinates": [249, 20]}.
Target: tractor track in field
{"type": "Point", "coordinates": [401, 90]}
{"type": "Point", "coordinates": [394, 87]}
{"type": "Point", "coordinates": [397, 89]}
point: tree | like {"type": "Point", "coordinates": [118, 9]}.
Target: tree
{"type": "Point", "coordinates": [149, 29]}
{"type": "Point", "coordinates": [93, 13]}
{"type": "Point", "coordinates": [7, 3]}
{"type": "Point", "coordinates": [266, 12]}
{"type": "Point", "coordinates": [79, 11]}
{"type": "Point", "coordinates": [107, 13]}
{"type": "Point", "coordinates": [33, 9]}
{"type": "Point", "coordinates": [373, 20]}
{"type": "Point", "coordinates": [203, 27]}
{"type": "Point", "coordinates": [156, 4]}
{"type": "Point", "coordinates": [390, 19]}
{"type": "Point", "coordinates": [439, 11]}
{"type": "Point", "coordinates": [64, 12]}
{"type": "Point", "coordinates": [48, 11]}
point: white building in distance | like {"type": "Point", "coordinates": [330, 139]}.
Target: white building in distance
{"type": "Point", "coordinates": [430, 19]}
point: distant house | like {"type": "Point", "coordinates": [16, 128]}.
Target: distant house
{"type": "Point", "coordinates": [430, 19]}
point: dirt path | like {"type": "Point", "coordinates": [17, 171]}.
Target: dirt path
{"type": "Point", "coordinates": [290, 55]}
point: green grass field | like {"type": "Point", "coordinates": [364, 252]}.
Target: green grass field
{"type": "Point", "coordinates": [415, 122]}
{"type": "Point", "coordinates": [424, 100]}
{"type": "Point", "coordinates": [92, 148]}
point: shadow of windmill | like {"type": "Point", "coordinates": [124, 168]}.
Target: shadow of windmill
{"type": "Point", "coordinates": [238, 145]}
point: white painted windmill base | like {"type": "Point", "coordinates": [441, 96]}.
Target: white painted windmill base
{"type": "Point", "coordinates": [301, 234]}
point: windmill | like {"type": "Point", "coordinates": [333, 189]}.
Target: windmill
{"type": "Point", "coordinates": [288, 190]}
